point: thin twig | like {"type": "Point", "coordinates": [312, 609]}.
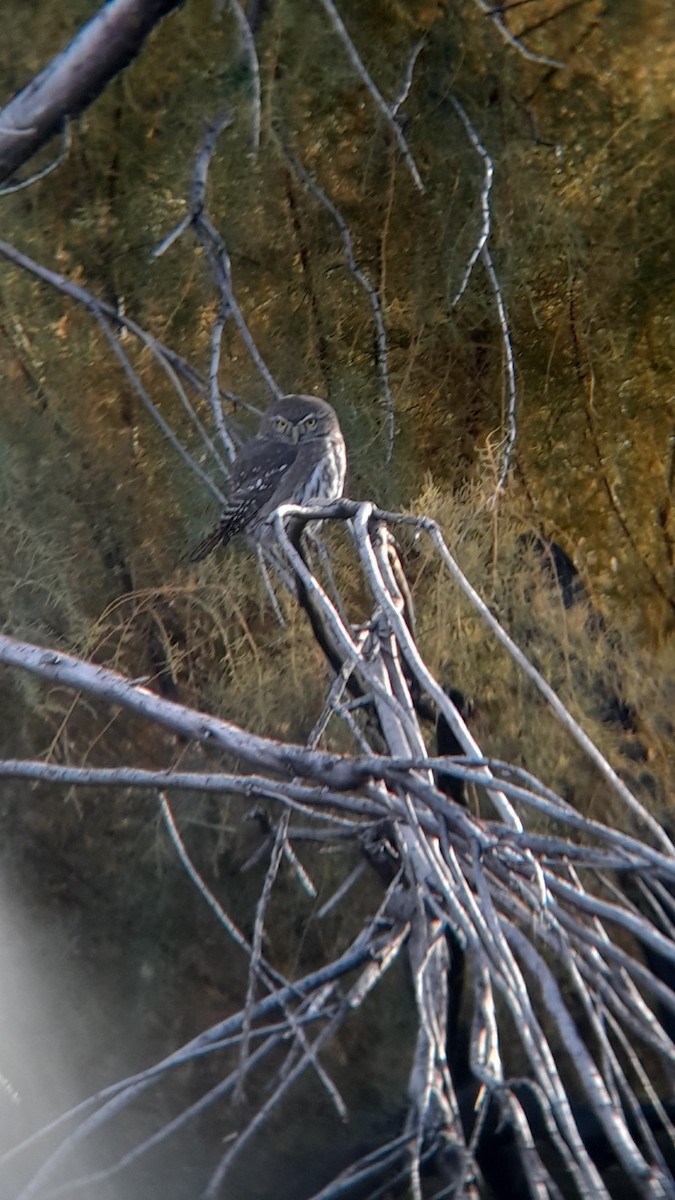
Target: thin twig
{"type": "Point", "coordinates": [7, 188]}
{"type": "Point", "coordinates": [404, 91]}
{"type": "Point", "coordinates": [381, 104]}
{"type": "Point", "coordinates": [495, 15]}
{"type": "Point", "coordinates": [485, 199]}
{"type": "Point", "coordinates": [481, 250]}
{"type": "Point", "coordinates": [214, 388]}
{"type": "Point", "coordinates": [252, 55]}
{"type": "Point", "coordinates": [214, 244]}
{"type": "Point", "coordinates": [167, 359]}
{"type": "Point", "coordinates": [156, 415]}
{"type": "Point", "coordinates": [371, 292]}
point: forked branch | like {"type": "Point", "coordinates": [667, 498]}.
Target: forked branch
{"type": "Point", "coordinates": [556, 954]}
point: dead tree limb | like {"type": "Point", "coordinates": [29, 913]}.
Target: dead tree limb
{"type": "Point", "coordinates": [555, 952]}
{"type": "Point", "coordinates": [102, 48]}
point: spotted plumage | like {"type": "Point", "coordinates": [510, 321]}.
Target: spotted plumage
{"type": "Point", "coordinates": [297, 457]}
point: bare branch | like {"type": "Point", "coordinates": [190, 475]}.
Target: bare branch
{"type": "Point", "coordinates": [485, 200]}
{"type": "Point", "coordinates": [406, 85]}
{"type": "Point", "coordinates": [371, 292]}
{"type": "Point", "coordinates": [104, 46]}
{"type": "Point", "coordinates": [496, 15]}
{"type": "Point", "coordinates": [382, 106]}
{"type": "Point", "coordinates": [171, 363]}
{"type": "Point", "coordinates": [511, 426]}
{"type": "Point", "coordinates": [507, 896]}
{"type": "Point", "coordinates": [482, 250]}
{"type": "Point", "coordinates": [52, 166]}
{"type": "Point", "coordinates": [156, 415]}
{"type": "Point", "coordinates": [215, 248]}
{"type": "Point", "coordinates": [254, 66]}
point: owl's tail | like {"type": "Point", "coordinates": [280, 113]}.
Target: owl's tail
{"type": "Point", "coordinates": [206, 546]}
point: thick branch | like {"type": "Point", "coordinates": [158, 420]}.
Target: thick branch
{"type": "Point", "coordinates": [106, 45]}
{"type": "Point", "coordinates": [265, 753]}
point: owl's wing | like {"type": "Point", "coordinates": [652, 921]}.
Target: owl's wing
{"type": "Point", "coordinates": [260, 466]}
{"type": "Point", "coordinates": [206, 546]}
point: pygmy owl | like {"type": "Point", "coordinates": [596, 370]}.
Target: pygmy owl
{"type": "Point", "coordinates": [297, 457]}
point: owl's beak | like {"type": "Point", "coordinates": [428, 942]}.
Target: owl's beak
{"type": "Point", "coordinates": [295, 434]}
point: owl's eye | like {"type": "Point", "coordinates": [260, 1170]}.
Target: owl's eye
{"type": "Point", "coordinates": [280, 424]}
{"type": "Point", "coordinates": [309, 422]}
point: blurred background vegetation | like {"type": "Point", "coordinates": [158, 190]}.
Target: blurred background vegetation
{"type": "Point", "coordinates": [97, 512]}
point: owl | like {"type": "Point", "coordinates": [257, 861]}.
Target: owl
{"type": "Point", "coordinates": [298, 456]}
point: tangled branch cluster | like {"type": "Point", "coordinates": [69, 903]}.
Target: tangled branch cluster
{"type": "Point", "coordinates": [554, 951]}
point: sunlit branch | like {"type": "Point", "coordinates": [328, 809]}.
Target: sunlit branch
{"type": "Point", "coordinates": [322, 804]}
{"type": "Point", "coordinates": [323, 767]}
{"type": "Point", "coordinates": [308, 799]}
{"type": "Point", "coordinates": [344, 639]}
{"type": "Point", "coordinates": [615, 1129]}
{"type": "Point", "coordinates": [517, 892]}
{"type": "Point", "coordinates": [383, 595]}
{"type": "Point", "coordinates": [609, 973]}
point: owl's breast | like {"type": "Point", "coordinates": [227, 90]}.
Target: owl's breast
{"type": "Point", "coordinates": [327, 478]}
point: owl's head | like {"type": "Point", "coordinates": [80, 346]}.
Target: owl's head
{"type": "Point", "coordinates": [298, 419]}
